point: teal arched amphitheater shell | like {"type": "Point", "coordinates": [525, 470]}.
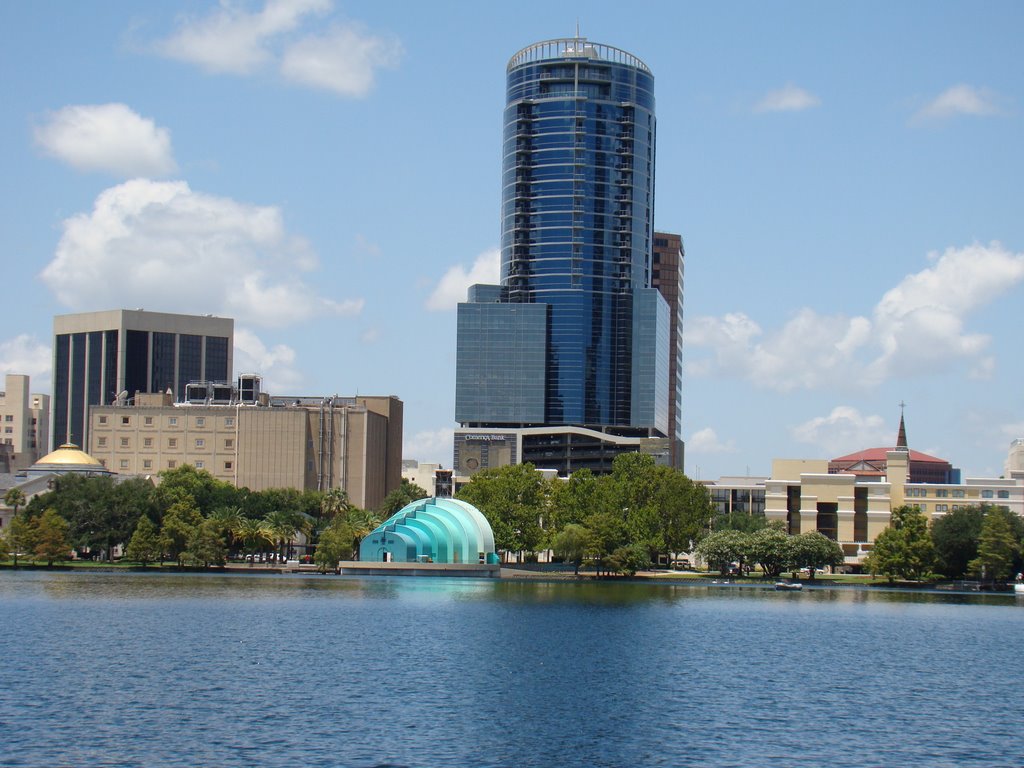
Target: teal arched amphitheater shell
{"type": "Point", "coordinates": [441, 530]}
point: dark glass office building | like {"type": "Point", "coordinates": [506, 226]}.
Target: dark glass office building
{"type": "Point", "coordinates": [576, 240]}
{"type": "Point", "coordinates": [99, 355]}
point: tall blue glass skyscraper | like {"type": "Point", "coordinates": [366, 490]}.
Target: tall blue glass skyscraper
{"type": "Point", "coordinates": [576, 241]}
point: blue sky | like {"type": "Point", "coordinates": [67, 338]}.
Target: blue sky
{"type": "Point", "coordinates": [846, 177]}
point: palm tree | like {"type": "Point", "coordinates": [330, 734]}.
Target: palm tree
{"type": "Point", "coordinates": [282, 527]}
{"type": "Point", "coordinates": [362, 523]}
{"type": "Point", "coordinates": [253, 534]}
{"type": "Point", "coordinates": [227, 520]}
{"type": "Point", "coordinates": [335, 502]}
{"type": "Point", "coordinates": [14, 498]}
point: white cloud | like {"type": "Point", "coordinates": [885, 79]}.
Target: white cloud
{"type": "Point", "coordinates": [28, 356]}
{"type": "Point", "coordinates": [161, 245]}
{"type": "Point", "coordinates": [430, 446]}
{"type": "Point", "coordinates": [917, 328]}
{"type": "Point", "coordinates": [371, 336]}
{"type": "Point", "coordinates": [452, 287]}
{"type": "Point", "coordinates": [960, 100]}
{"type": "Point", "coordinates": [107, 137]}
{"type": "Point", "coordinates": [844, 430]}
{"type": "Point", "coordinates": [707, 441]}
{"type": "Point", "coordinates": [919, 323]}
{"type": "Point", "coordinates": [233, 40]}
{"type": "Point", "coordinates": [344, 60]}
{"type": "Point", "coordinates": [790, 98]}
{"type": "Point", "coordinates": [275, 364]}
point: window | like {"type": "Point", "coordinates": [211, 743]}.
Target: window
{"type": "Point", "coordinates": [126, 420]}
{"type": "Point", "coordinates": [227, 465]}
{"type": "Point", "coordinates": [8, 430]}
{"type": "Point", "coordinates": [1003, 494]}
{"type": "Point", "coordinates": [229, 421]}
{"type": "Point", "coordinates": [172, 464]}
{"type": "Point", "coordinates": [958, 493]}
{"type": "Point", "coordinates": [200, 442]}
{"type": "Point", "coordinates": [941, 493]}
{"type": "Point", "coordinates": [148, 421]}
{"type": "Point", "coordinates": [124, 463]}
{"type": "Point", "coordinates": [200, 421]}
{"type": "Point", "coordinates": [8, 417]}
{"type": "Point", "coordinates": [986, 494]}
{"type": "Point", "coordinates": [941, 507]}
{"type": "Point", "coordinates": [148, 442]}
{"type": "Point", "coordinates": [229, 443]}
{"type": "Point", "coordinates": [172, 421]}
{"type": "Point", "coordinates": [172, 442]}
{"type": "Point", "coordinates": [102, 442]}
{"type": "Point", "coordinates": [147, 464]}
{"type": "Point", "coordinates": [124, 442]}
{"type": "Point", "coordinates": [199, 465]}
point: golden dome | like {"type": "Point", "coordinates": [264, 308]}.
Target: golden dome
{"type": "Point", "coordinates": [66, 455]}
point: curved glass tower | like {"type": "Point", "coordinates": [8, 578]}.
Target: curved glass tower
{"type": "Point", "coordinates": [577, 212]}
{"type": "Point", "coordinates": [565, 364]}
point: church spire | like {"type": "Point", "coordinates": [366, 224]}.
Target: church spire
{"type": "Point", "coordinates": [901, 437]}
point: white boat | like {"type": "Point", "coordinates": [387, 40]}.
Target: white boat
{"type": "Point", "coordinates": [1018, 588]}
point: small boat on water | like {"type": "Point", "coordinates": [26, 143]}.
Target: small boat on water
{"type": "Point", "coordinates": [785, 586]}
{"type": "Point", "coordinates": [1018, 588]}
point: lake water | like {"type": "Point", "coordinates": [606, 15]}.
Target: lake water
{"type": "Point", "coordinates": [136, 669]}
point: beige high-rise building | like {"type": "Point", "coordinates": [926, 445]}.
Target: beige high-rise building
{"type": "Point", "coordinates": [354, 443]}
{"type": "Point", "coordinates": [24, 424]}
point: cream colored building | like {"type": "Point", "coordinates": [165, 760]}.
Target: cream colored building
{"type": "Point", "coordinates": [305, 443]}
{"type": "Point", "coordinates": [854, 509]}
{"type": "Point", "coordinates": [24, 424]}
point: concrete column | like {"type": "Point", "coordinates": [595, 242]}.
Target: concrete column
{"type": "Point", "coordinates": [844, 532]}
{"type": "Point", "coordinates": [877, 522]}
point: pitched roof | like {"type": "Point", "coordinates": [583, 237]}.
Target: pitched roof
{"type": "Point", "coordinates": [878, 455]}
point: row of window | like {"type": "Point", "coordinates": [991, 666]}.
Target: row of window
{"type": "Point", "coordinates": [171, 464]}
{"type": "Point", "coordinates": [199, 421]}
{"type": "Point", "coordinates": [172, 442]}
{"type": "Point", "coordinates": [941, 507]}
{"type": "Point", "coordinates": [956, 493]}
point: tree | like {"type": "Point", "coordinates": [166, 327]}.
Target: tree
{"type": "Point", "coordinates": [629, 559]}
{"type": "Point", "coordinates": [227, 520]}
{"type": "Point", "coordinates": [955, 538]}
{"type": "Point", "coordinates": [335, 545]}
{"type": "Point", "coordinates": [179, 525]}
{"type": "Point", "coordinates": [814, 551]}
{"type": "Point", "coordinates": [186, 483]}
{"type": "Point", "coordinates": [574, 500]}
{"type": "Point", "coordinates": [769, 548]}
{"type": "Point", "coordinates": [738, 521]}
{"type": "Point", "coordinates": [52, 537]}
{"type": "Point", "coordinates": [719, 549]}
{"type": "Point", "coordinates": [609, 534]}
{"type": "Point", "coordinates": [206, 545]}
{"type": "Point", "coordinates": [145, 546]}
{"type": "Point", "coordinates": [998, 547]}
{"type": "Point", "coordinates": [253, 535]}
{"type": "Point", "coordinates": [512, 499]}
{"type": "Point", "coordinates": [684, 511]}
{"type": "Point", "coordinates": [404, 494]}
{"type": "Point", "coordinates": [573, 544]}
{"type": "Point", "coordinates": [21, 536]}
{"type": "Point", "coordinates": [14, 498]}
{"type": "Point", "coordinates": [282, 527]}
{"type": "Point", "coordinates": [904, 549]}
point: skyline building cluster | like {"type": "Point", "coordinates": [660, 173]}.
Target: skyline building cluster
{"type": "Point", "coordinates": [571, 358]}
